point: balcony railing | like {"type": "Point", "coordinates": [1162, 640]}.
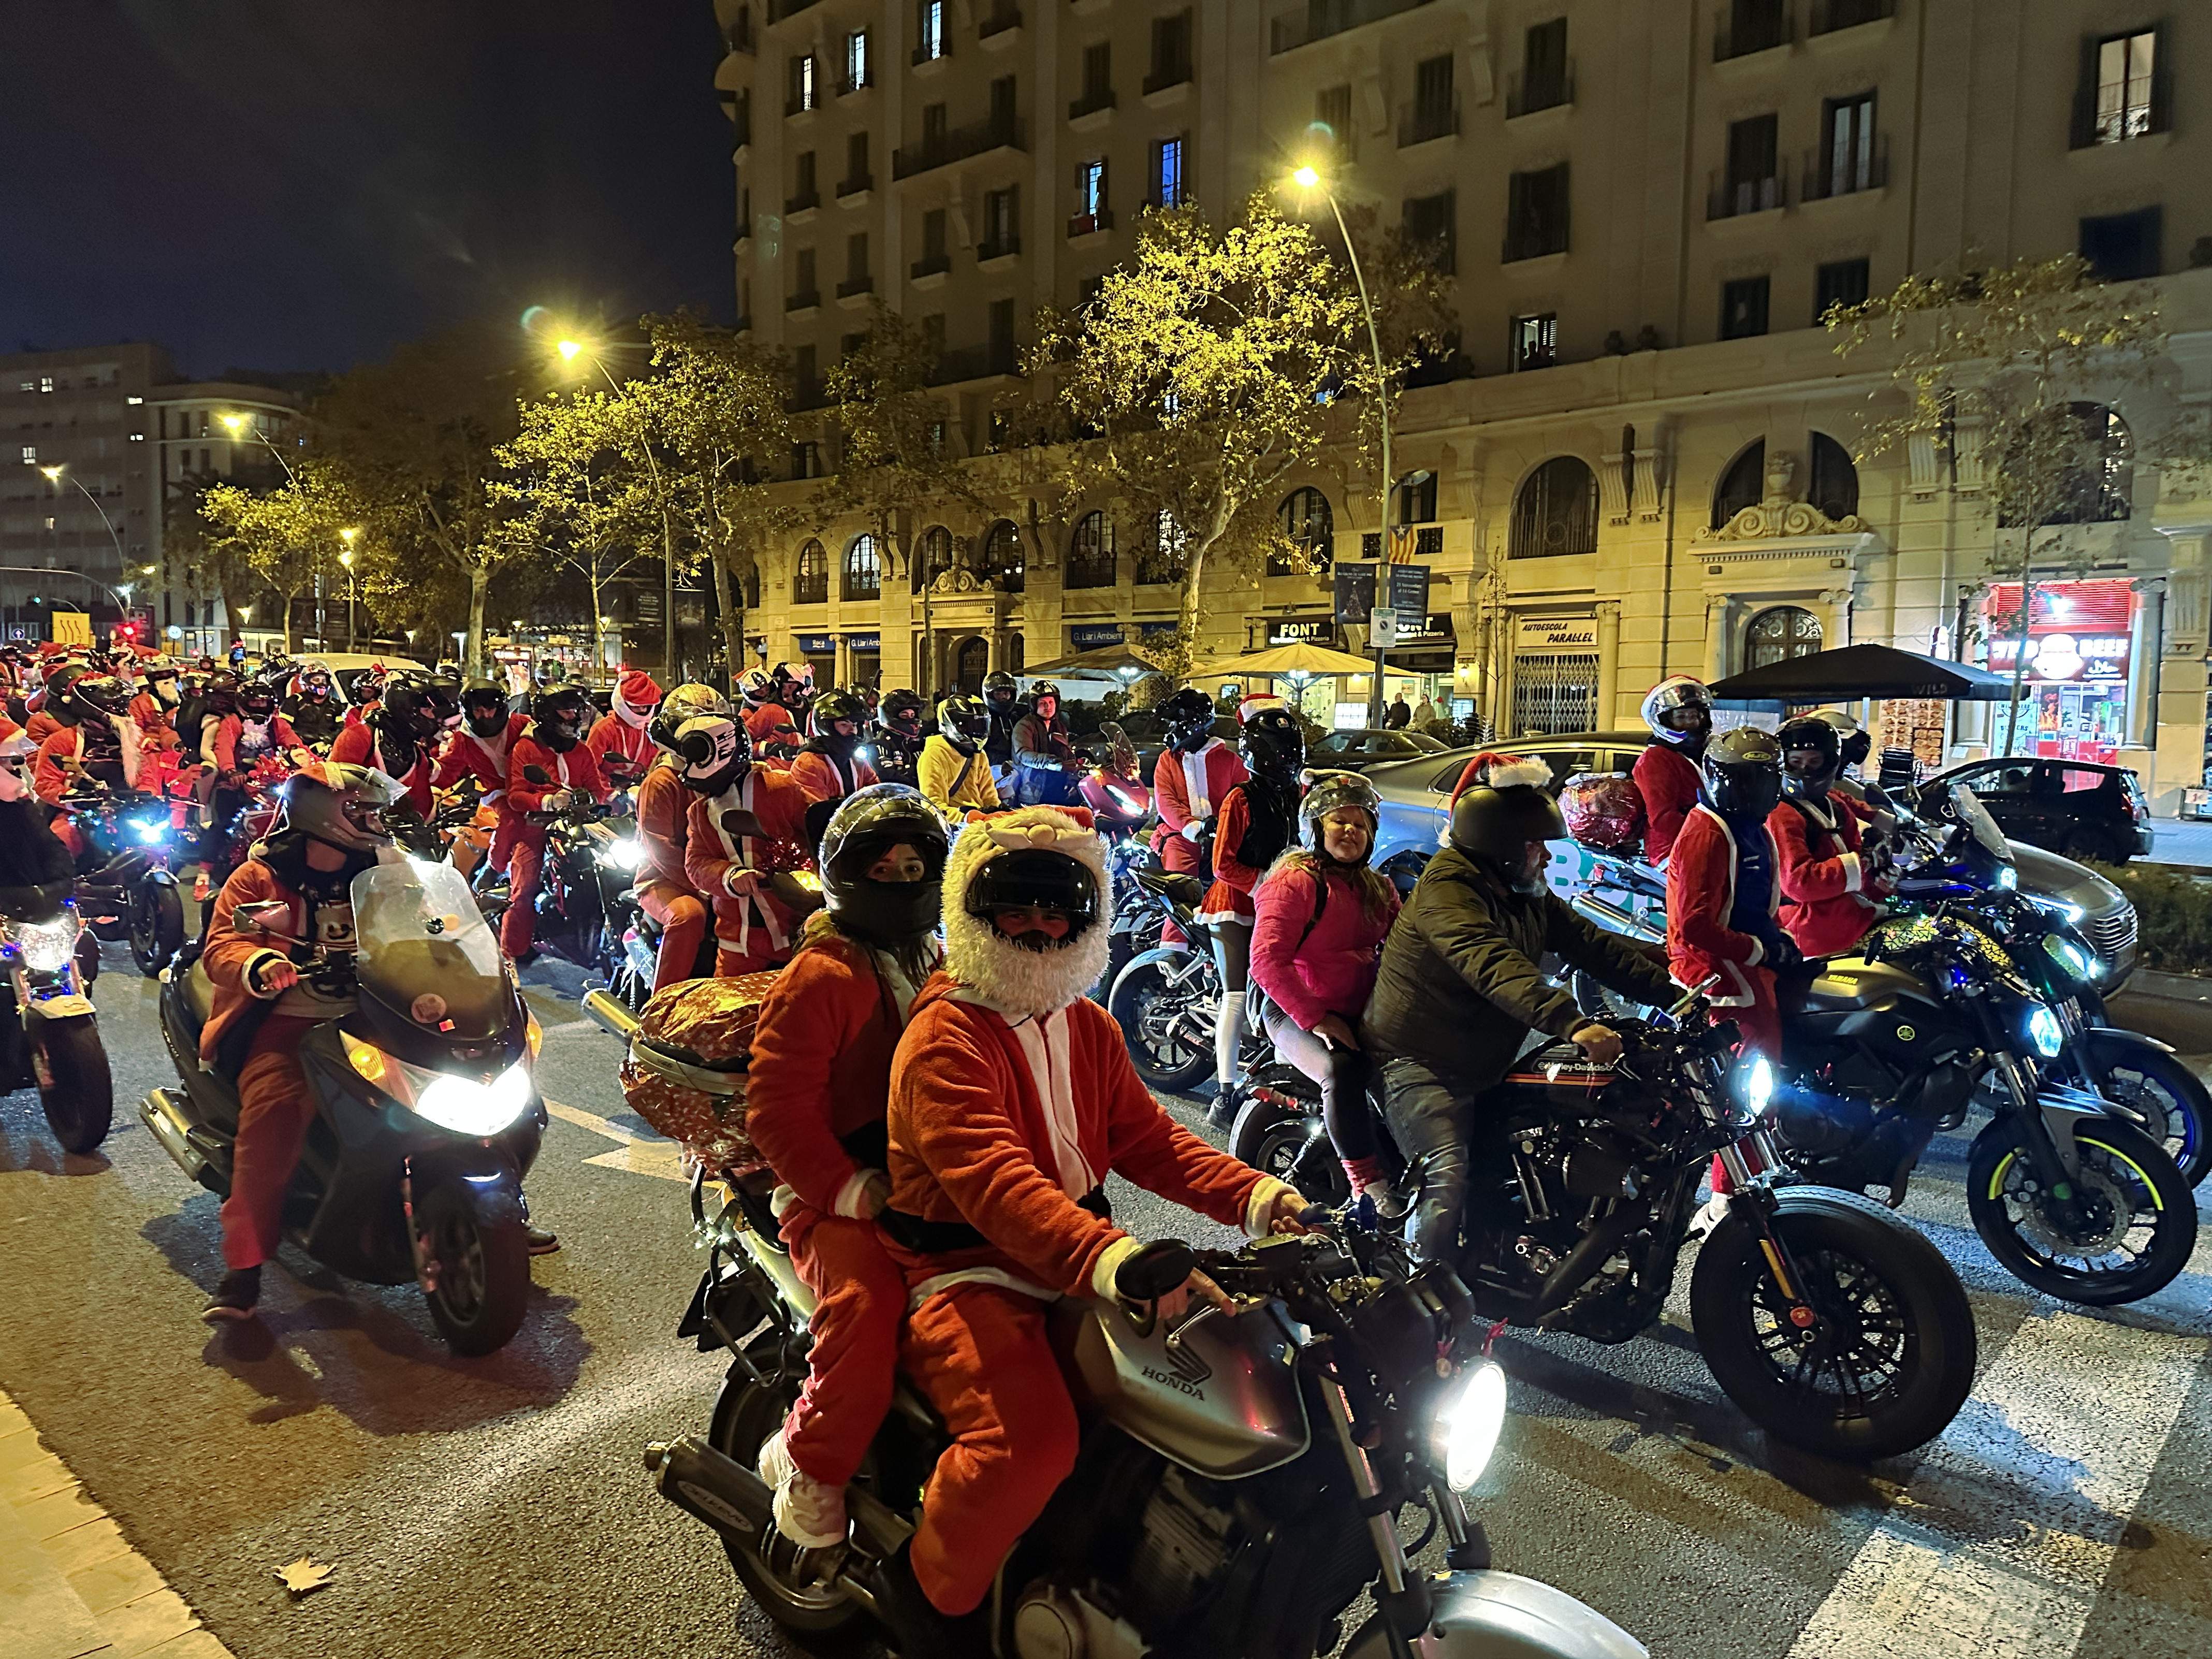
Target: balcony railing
{"type": "Point", "coordinates": [780, 9]}
{"type": "Point", "coordinates": [1829, 15]}
{"type": "Point", "coordinates": [1758, 28]}
{"type": "Point", "coordinates": [1091, 103]}
{"type": "Point", "coordinates": [1166, 76]}
{"type": "Point", "coordinates": [1085, 224]}
{"type": "Point", "coordinates": [1419, 122]}
{"type": "Point", "coordinates": [856, 185]}
{"type": "Point", "coordinates": [1525, 95]}
{"type": "Point", "coordinates": [1828, 174]}
{"type": "Point", "coordinates": [1532, 241]}
{"type": "Point", "coordinates": [805, 299]}
{"type": "Point", "coordinates": [795, 104]}
{"type": "Point", "coordinates": [1323, 18]}
{"type": "Point", "coordinates": [930, 265]}
{"type": "Point", "coordinates": [1001, 19]}
{"type": "Point", "coordinates": [1731, 198]}
{"type": "Point", "coordinates": [942, 150]}
{"type": "Point", "coordinates": [930, 51]}
{"type": "Point", "coordinates": [853, 287]}
{"type": "Point", "coordinates": [974, 363]}
{"type": "Point", "coordinates": [999, 247]}
{"type": "Point", "coordinates": [802, 202]}
{"type": "Point", "coordinates": [850, 84]}
{"type": "Point", "coordinates": [738, 36]}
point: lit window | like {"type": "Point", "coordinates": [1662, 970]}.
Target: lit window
{"type": "Point", "coordinates": [931, 31]}
{"type": "Point", "coordinates": [46, 383]}
{"type": "Point", "coordinates": [30, 454]}
{"type": "Point", "coordinates": [138, 437]}
{"type": "Point", "coordinates": [1535, 341]}
{"type": "Point", "coordinates": [2123, 86]}
{"type": "Point", "coordinates": [134, 400]}
{"type": "Point", "coordinates": [1170, 188]}
{"type": "Point", "coordinates": [27, 386]}
{"type": "Point", "coordinates": [856, 59]}
{"type": "Point", "coordinates": [1090, 189]}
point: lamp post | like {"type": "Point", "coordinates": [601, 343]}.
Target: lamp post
{"type": "Point", "coordinates": [570, 349]}
{"type": "Point", "coordinates": [53, 476]}
{"type": "Point", "coordinates": [1308, 178]}
{"type": "Point", "coordinates": [350, 537]}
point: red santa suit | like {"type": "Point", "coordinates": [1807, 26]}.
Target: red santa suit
{"type": "Point", "coordinates": [769, 723]}
{"type": "Point", "coordinates": [754, 930]}
{"type": "Point", "coordinates": [1828, 897]}
{"type": "Point", "coordinates": [664, 810]}
{"type": "Point", "coordinates": [573, 770]}
{"type": "Point", "coordinates": [363, 745]}
{"type": "Point", "coordinates": [1668, 780]}
{"type": "Point", "coordinates": [152, 717]}
{"type": "Point", "coordinates": [1701, 942]}
{"type": "Point", "coordinates": [823, 777]}
{"type": "Point", "coordinates": [618, 740]}
{"type": "Point", "coordinates": [1187, 790]}
{"type": "Point", "coordinates": [1012, 1097]}
{"type": "Point", "coordinates": [816, 1090]}
{"type": "Point", "coordinates": [485, 759]}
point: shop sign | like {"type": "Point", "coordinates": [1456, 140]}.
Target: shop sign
{"type": "Point", "coordinates": [2064, 656]}
{"type": "Point", "coordinates": [1408, 587]}
{"type": "Point", "coordinates": [1562, 634]}
{"type": "Point", "coordinates": [817, 645]}
{"type": "Point", "coordinates": [1294, 631]}
{"type": "Point", "coordinates": [864, 642]}
{"type": "Point", "coordinates": [1089, 636]}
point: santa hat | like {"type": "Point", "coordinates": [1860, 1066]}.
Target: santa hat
{"type": "Point", "coordinates": [1258, 703]}
{"type": "Point", "coordinates": [1496, 771]}
{"type": "Point", "coordinates": [1018, 982]}
{"type": "Point", "coordinates": [635, 697]}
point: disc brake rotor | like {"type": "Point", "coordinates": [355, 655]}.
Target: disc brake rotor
{"type": "Point", "coordinates": [2100, 1189]}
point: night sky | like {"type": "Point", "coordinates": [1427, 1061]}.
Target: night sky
{"type": "Point", "coordinates": [301, 184]}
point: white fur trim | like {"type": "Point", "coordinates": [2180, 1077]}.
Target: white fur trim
{"type": "Point", "coordinates": [251, 973]}
{"type": "Point", "coordinates": [1102, 1276]}
{"type": "Point", "coordinates": [1021, 983]}
{"type": "Point", "coordinates": [1258, 703]}
{"type": "Point", "coordinates": [848, 1201]}
{"type": "Point", "coordinates": [998, 1276]}
{"type": "Point", "coordinates": [1043, 1043]}
{"type": "Point", "coordinates": [1758, 952]}
{"type": "Point", "coordinates": [1262, 1203]}
{"type": "Point", "coordinates": [1518, 772]}
{"type": "Point", "coordinates": [1854, 874]}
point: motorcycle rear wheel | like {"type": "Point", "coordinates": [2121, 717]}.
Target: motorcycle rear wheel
{"type": "Point", "coordinates": [1278, 1138]}
{"type": "Point", "coordinates": [157, 926]}
{"type": "Point", "coordinates": [481, 1247]}
{"type": "Point", "coordinates": [75, 1089]}
{"type": "Point", "coordinates": [2120, 1164]}
{"type": "Point", "coordinates": [1893, 1358]}
{"type": "Point", "coordinates": [1147, 1007]}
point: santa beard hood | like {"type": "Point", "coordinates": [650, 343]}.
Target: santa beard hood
{"type": "Point", "coordinates": [1019, 982]}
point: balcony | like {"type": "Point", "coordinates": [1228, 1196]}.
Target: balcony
{"type": "Point", "coordinates": [808, 393]}
{"type": "Point", "coordinates": [795, 105]}
{"type": "Point", "coordinates": [1422, 123]}
{"type": "Point", "coordinates": [847, 84]}
{"type": "Point", "coordinates": [853, 288]}
{"type": "Point", "coordinates": [930, 265]}
{"type": "Point", "coordinates": [858, 185]}
{"type": "Point", "coordinates": [1166, 76]}
{"type": "Point", "coordinates": [976, 363]}
{"type": "Point", "coordinates": [1003, 246]}
{"type": "Point", "coordinates": [807, 299]}
{"type": "Point", "coordinates": [1324, 18]}
{"type": "Point", "coordinates": [1091, 103]}
{"type": "Point", "coordinates": [933, 52]}
{"type": "Point", "coordinates": [1753, 29]}
{"type": "Point", "coordinates": [1002, 18]}
{"type": "Point", "coordinates": [780, 9]}
{"type": "Point", "coordinates": [1089, 224]}
{"type": "Point", "coordinates": [1553, 89]}
{"type": "Point", "coordinates": [1827, 176]}
{"type": "Point", "coordinates": [806, 201]}
{"type": "Point", "coordinates": [738, 36]}
{"type": "Point", "coordinates": [960, 144]}
{"type": "Point", "coordinates": [1737, 198]}
{"type": "Point", "coordinates": [1829, 15]}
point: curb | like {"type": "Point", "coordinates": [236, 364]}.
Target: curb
{"type": "Point", "coordinates": [2168, 988]}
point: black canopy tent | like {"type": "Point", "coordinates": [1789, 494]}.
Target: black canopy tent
{"type": "Point", "coordinates": [1862, 671]}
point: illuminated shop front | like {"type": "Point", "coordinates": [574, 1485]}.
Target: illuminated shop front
{"type": "Point", "coordinates": [2080, 639]}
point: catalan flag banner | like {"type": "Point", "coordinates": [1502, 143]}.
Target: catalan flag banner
{"type": "Point", "coordinates": [1401, 544]}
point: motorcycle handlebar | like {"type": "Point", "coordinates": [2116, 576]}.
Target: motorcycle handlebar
{"type": "Point", "coordinates": [1154, 1270]}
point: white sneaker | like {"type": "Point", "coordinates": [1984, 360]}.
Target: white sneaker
{"type": "Point", "coordinates": [809, 1513]}
{"type": "Point", "coordinates": [1709, 1215]}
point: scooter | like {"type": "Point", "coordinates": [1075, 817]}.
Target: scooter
{"type": "Point", "coordinates": [49, 1033]}
{"type": "Point", "coordinates": [426, 1114]}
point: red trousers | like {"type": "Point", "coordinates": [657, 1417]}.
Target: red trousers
{"type": "Point", "coordinates": [981, 1356]}
{"type": "Point", "coordinates": [763, 954]}
{"type": "Point", "coordinates": [1760, 1022]}
{"type": "Point", "coordinates": [1182, 856]}
{"type": "Point", "coordinates": [682, 917]}
{"type": "Point", "coordinates": [525, 859]}
{"type": "Point", "coordinates": [859, 1299]}
{"type": "Point", "coordinates": [273, 1115]}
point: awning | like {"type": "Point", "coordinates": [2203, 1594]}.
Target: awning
{"type": "Point", "coordinates": [1864, 670]}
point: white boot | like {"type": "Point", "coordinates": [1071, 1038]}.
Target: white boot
{"type": "Point", "coordinates": [809, 1513]}
{"type": "Point", "coordinates": [1709, 1215]}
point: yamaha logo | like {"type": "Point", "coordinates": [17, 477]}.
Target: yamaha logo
{"type": "Point", "coordinates": [1905, 1034]}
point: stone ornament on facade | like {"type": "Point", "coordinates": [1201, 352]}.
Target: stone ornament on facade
{"type": "Point", "coordinates": [1780, 515]}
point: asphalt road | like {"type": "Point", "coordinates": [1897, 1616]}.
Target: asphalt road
{"type": "Point", "coordinates": [479, 1510]}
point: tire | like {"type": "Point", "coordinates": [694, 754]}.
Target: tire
{"type": "Point", "coordinates": [1863, 1266]}
{"type": "Point", "coordinates": [745, 1416]}
{"type": "Point", "coordinates": [480, 1250]}
{"type": "Point", "coordinates": [1279, 1138]}
{"type": "Point", "coordinates": [2158, 1085]}
{"type": "Point", "coordinates": [2117, 1157]}
{"type": "Point", "coordinates": [157, 926]}
{"type": "Point", "coordinates": [71, 1068]}
{"type": "Point", "coordinates": [1144, 1004]}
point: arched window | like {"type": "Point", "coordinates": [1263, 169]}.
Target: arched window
{"type": "Point", "coordinates": [1556, 511]}
{"type": "Point", "coordinates": [1160, 559]}
{"type": "Point", "coordinates": [1744, 484]}
{"type": "Point", "coordinates": [810, 582]}
{"type": "Point", "coordinates": [933, 556]}
{"type": "Point", "coordinates": [1835, 485]}
{"type": "Point", "coordinates": [1304, 518]}
{"type": "Point", "coordinates": [1779, 634]}
{"type": "Point", "coordinates": [1090, 554]}
{"type": "Point", "coordinates": [864, 569]}
{"type": "Point", "coordinates": [1002, 557]}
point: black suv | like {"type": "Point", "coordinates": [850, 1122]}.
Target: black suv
{"type": "Point", "coordinates": [2079, 808]}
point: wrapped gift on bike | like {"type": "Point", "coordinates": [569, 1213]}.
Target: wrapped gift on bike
{"type": "Point", "coordinates": [1604, 809]}
{"type": "Point", "coordinates": [685, 1073]}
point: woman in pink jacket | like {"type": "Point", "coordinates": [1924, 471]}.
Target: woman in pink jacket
{"type": "Point", "coordinates": [1322, 913]}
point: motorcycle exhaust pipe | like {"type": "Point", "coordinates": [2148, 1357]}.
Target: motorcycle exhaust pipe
{"type": "Point", "coordinates": [160, 1113]}
{"type": "Point", "coordinates": [713, 1488]}
{"type": "Point", "coordinates": [606, 1011]}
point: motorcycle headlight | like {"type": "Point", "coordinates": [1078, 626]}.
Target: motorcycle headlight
{"type": "Point", "coordinates": [2070, 957]}
{"type": "Point", "coordinates": [1754, 1083]}
{"type": "Point", "coordinates": [47, 946]}
{"type": "Point", "coordinates": [623, 855]}
{"type": "Point", "coordinates": [149, 830]}
{"type": "Point", "coordinates": [2044, 1032]}
{"type": "Point", "coordinates": [1468, 1420]}
{"type": "Point", "coordinates": [2007, 877]}
{"type": "Point", "coordinates": [473, 1108]}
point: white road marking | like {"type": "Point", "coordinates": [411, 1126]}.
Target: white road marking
{"type": "Point", "coordinates": [661, 1159]}
{"type": "Point", "coordinates": [2002, 1541]}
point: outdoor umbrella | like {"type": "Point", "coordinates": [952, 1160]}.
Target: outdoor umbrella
{"type": "Point", "coordinates": [1301, 658]}
{"type": "Point", "coordinates": [1107, 662]}
{"type": "Point", "coordinates": [1864, 670]}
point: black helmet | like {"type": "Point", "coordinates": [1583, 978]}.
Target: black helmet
{"type": "Point", "coordinates": [257, 701]}
{"type": "Point", "coordinates": [1855, 742]}
{"type": "Point", "coordinates": [96, 694]}
{"type": "Point", "coordinates": [59, 702]}
{"type": "Point", "coordinates": [686, 703]}
{"type": "Point", "coordinates": [999, 690]}
{"type": "Point", "coordinates": [483, 705]}
{"type": "Point", "coordinates": [794, 691]}
{"type": "Point", "coordinates": [1743, 773]}
{"type": "Point", "coordinates": [1494, 827]}
{"type": "Point", "coordinates": [901, 711]}
{"type": "Point", "coordinates": [963, 721]}
{"type": "Point", "coordinates": [1273, 744]}
{"type": "Point", "coordinates": [1187, 717]}
{"type": "Point", "coordinates": [1043, 690]}
{"type": "Point", "coordinates": [445, 695]}
{"type": "Point", "coordinates": [405, 714]}
{"type": "Point", "coordinates": [1331, 790]}
{"type": "Point", "coordinates": [221, 692]}
{"type": "Point", "coordinates": [559, 715]}
{"type": "Point", "coordinates": [713, 752]}
{"type": "Point", "coordinates": [1809, 736]}
{"type": "Point", "coordinates": [867, 824]}
{"type": "Point", "coordinates": [1038, 876]}
{"type": "Point", "coordinates": [832, 707]}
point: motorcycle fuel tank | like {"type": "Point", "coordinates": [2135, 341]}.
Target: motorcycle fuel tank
{"type": "Point", "coordinates": [1853, 982]}
{"type": "Point", "coordinates": [1224, 1401]}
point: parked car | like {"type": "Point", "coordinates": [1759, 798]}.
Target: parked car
{"type": "Point", "coordinates": [2081, 808]}
{"type": "Point", "coordinates": [1358, 748]}
{"type": "Point", "coordinates": [1416, 798]}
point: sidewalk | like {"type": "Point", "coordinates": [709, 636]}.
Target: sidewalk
{"type": "Point", "coordinates": [2186, 841]}
{"type": "Point", "coordinates": [70, 1585]}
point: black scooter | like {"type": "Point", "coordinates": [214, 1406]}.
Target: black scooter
{"type": "Point", "coordinates": [426, 1116]}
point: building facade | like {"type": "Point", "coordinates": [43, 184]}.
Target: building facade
{"type": "Point", "coordinates": [1644, 462]}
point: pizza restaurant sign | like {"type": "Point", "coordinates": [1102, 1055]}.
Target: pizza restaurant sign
{"type": "Point", "coordinates": [1557, 634]}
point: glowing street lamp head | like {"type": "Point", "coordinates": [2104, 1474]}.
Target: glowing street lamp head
{"type": "Point", "coordinates": [569, 350]}
{"type": "Point", "coordinates": [1306, 177]}
{"type": "Point", "coordinates": [350, 534]}
{"type": "Point", "coordinates": [235, 422]}
{"type": "Point", "coordinates": [53, 474]}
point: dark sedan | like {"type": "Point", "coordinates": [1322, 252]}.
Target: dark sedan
{"type": "Point", "coordinates": [2080, 808]}
{"type": "Point", "coordinates": [1357, 750]}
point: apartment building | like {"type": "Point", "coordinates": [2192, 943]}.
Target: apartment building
{"type": "Point", "coordinates": [1640, 459]}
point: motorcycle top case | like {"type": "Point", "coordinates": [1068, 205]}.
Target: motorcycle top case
{"type": "Point", "coordinates": [706, 1026]}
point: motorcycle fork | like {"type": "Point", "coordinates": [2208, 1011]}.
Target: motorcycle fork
{"type": "Point", "coordinates": [1754, 1200]}
{"type": "Point", "coordinates": [1402, 1599]}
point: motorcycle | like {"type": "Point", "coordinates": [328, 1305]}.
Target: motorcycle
{"type": "Point", "coordinates": [1831, 1323]}
{"type": "Point", "coordinates": [1167, 997]}
{"type": "Point", "coordinates": [162, 828]}
{"type": "Point", "coordinates": [578, 890]}
{"type": "Point", "coordinates": [426, 1116]}
{"type": "Point", "coordinates": [1242, 1476]}
{"type": "Point", "coordinates": [49, 1031]}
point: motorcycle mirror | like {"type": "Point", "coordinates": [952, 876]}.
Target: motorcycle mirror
{"type": "Point", "coordinates": [536, 775]}
{"type": "Point", "coordinates": [742, 823]}
{"type": "Point", "coordinates": [1154, 1271]}
{"type": "Point", "coordinates": [266, 917]}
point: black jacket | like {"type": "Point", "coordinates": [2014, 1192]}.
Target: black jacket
{"type": "Point", "coordinates": [1459, 987]}
{"type": "Point", "coordinates": [30, 856]}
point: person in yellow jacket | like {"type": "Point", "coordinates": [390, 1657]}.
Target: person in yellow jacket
{"type": "Point", "coordinates": [953, 773]}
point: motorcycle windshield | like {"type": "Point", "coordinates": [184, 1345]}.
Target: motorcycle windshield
{"type": "Point", "coordinates": [1976, 816]}
{"type": "Point", "coordinates": [425, 952]}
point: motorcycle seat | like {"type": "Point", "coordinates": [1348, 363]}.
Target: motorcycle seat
{"type": "Point", "coordinates": [1179, 886]}
{"type": "Point", "coordinates": [200, 994]}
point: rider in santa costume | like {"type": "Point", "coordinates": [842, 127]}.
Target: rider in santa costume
{"type": "Point", "coordinates": [1723, 898]}
{"type": "Point", "coordinates": [553, 748]}
{"type": "Point", "coordinates": [617, 740]}
{"type": "Point", "coordinates": [1680, 712]}
{"type": "Point", "coordinates": [1012, 1097]}
{"type": "Point", "coordinates": [1830, 884]}
{"type": "Point", "coordinates": [1191, 778]}
{"type": "Point", "coordinates": [747, 822]}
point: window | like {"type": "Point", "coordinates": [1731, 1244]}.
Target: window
{"type": "Point", "coordinates": [1835, 483]}
{"type": "Point", "coordinates": [1090, 196]}
{"type": "Point", "coordinates": [932, 234]}
{"type": "Point", "coordinates": [1743, 307]}
{"type": "Point", "coordinates": [1333, 119]}
{"type": "Point", "coordinates": [933, 556]}
{"type": "Point", "coordinates": [1432, 228]}
{"type": "Point", "coordinates": [805, 192]}
{"type": "Point", "coordinates": [1169, 187]}
{"type": "Point", "coordinates": [1555, 691]}
{"type": "Point", "coordinates": [1434, 112]}
{"type": "Point", "coordinates": [1097, 78]}
{"type": "Point", "coordinates": [1534, 343]}
{"type": "Point", "coordinates": [1171, 51]}
{"type": "Point", "coordinates": [1778, 635]}
{"type": "Point", "coordinates": [810, 580]}
{"type": "Point", "coordinates": [2122, 247]}
{"type": "Point", "coordinates": [864, 569]}
{"type": "Point", "coordinates": [856, 257]}
{"type": "Point", "coordinates": [30, 454]}
{"type": "Point", "coordinates": [806, 91]}
{"type": "Point", "coordinates": [46, 383]}
{"type": "Point", "coordinates": [934, 126]}
{"type": "Point", "coordinates": [808, 380]}
{"type": "Point", "coordinates": [1842, 283]}
{"type": "Point", "coordinates": [806, 293]}
{"type": "Point", "coordinates": [1004, 92]}
{"type": "Point", "coordinates": [856, 61]}
{"type": "Point", "coordinates": [1002, 223]}
{"type": "Point", "coordinates": [1744, 484]}
{"type": "Point", "coordinates": [929, 31]}
{"type": "Point", "coordinates": [1002, 557]}
{"type": "Point", "coordinates": [1161, 558]}
{"type": "Point", "coordinates": [1001, 323]}
{"type": "Point", "coordinates": [2099, 469]}
{"type": "Point", "coordinates": [1536, 214]}
{"type": "Point", "coordinates": [1304, 518]}
{"type": "Point", "coordinates": [1847, 151]}
{"type": "Point", "coordinates": [2122, 92]}
{"type": "Point", "coordinates": [1416, 498]}
{"type": "Point", "coordinates": [1750, 25]}
{"type": "Point", "coordinates": [806, 459]}
{"type": "Point", "coordinates": [1752, 183]}
{"type": "Point", "coordinates": [1556, 511]}
{"type": "Point", "coordinates": [1090, 554]}
{"type": "Point", "coordinates": [857, 176]}
{"type": "Point", "coordinates": [1546, 80]}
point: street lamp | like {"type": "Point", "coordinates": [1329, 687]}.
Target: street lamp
{"type": "Point", "coordinates": [239, 425]}
{"type": "Point", "coordinates": [1308, 178]}
{"type": "Point", "coordinates": [53, 474]}
{"type": "Point", "coordinates": [350, 536]}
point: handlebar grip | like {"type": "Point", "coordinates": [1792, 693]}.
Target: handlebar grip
{"type": "Point", "coordinates": [1154, 1271]}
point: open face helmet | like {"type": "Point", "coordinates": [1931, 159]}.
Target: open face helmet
{"type": "Point", "coordinates": [1043, 692]}
{"type": "Point", "coordinates": [1331, 791]}
{"type": "Point", "coordinates": [901, 713]}
{"type": "Point", "coordinates": [836, 718]}
{"type": "Point", "coordinates": [559, 715]}
{"type": "Point", "coordinates": [1497, 829]}
{"type": "Point", "coordinates": [1811, 756]}
{"type": "Point", "coordinates": [1742, 770]}
{"type": "Point", "coordinates": [162, 680]}
{"type": "Point", "coordinates": [1680, 712]}
{"type": "Point", "coordinates": [756, 687]}
{"type": "Point", "coordinates": [999, 692]}
{"type": "Point", "coordinates": [16, 753]}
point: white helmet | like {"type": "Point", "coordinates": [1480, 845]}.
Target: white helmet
{"type": "Point", "coordinates": [1678, 691]}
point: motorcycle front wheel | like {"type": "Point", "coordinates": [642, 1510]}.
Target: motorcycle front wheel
{"type": "Point", "coordinates": [1888, 1357]}
{"type": "Point", "coordinates": [478, 1265]}
{"type": "Point", "coordinates": [1161, 1010]}
{"type": "Point", "coordinates": [2174, 1101]}
{"type": "Point", "coordinates": [1278, 1138]}
{"type": "Point", "coordinates": [2137, 1227]}
{"type": "Point", "coordinates": [70, 1067]}
{"type": "Point", "coordinates": [157, 926]}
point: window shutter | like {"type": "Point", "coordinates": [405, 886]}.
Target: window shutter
{"type": "Point", "coordinates": [2162, 77]}
{"type": "Point", "coordinates": [2085, 96]}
